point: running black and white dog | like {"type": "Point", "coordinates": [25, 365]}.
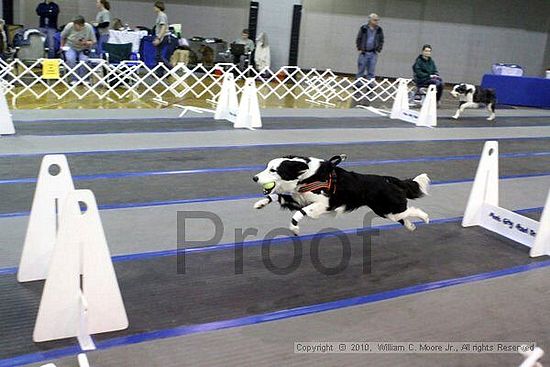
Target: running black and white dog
{"type": "Point", "coordinates": [471, 96]}
{"type": "Point", "coordinates": [312, 186]}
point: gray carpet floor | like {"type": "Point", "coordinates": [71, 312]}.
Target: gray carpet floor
{"type": "Point", "coordinates": [27, 144]}
{"type": "Point", "coordinates": [159, 298]}
{"type": "Point", "coordinates": [269, 123]}
{"type": "Point", "coordinates": [210, 290]}
{"type": "Point", "coordinates": [504, 309]}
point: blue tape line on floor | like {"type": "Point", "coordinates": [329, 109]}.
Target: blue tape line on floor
{"type": "Point", "coordinates": [243, 197]}
{"type": "Point", "coordinates": [117, 175]}
{"type": "Point", "coordinates": [278, 240]}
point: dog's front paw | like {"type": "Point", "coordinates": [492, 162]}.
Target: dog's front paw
{"type": "Point", "coordinates": [261, 203]}
{"type": "Point", "coordinates": [410, 226]}
{"type": "Point", "coordinates": [455, 117]}
{"type": "Point", "coordinates": [491, 118]}
{"type": "Point", "coordinates": [294, 229]}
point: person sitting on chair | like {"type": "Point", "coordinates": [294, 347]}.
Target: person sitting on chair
{"type": "Point", "coordinates": [425, 71]}
{"type": "Point", "coordinates": [77, 40]}
{"type": "Point", "coordinates": [248, 48]}
{"type": "Point", "coordinates": [117, 24]}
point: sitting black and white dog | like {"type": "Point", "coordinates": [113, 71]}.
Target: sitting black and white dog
{"type": "Point", "coordinates": [313, 186]}
{"type": "Point", "coordinates": [471, 96]}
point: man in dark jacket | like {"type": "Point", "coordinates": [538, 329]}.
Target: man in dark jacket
{"type": "Point", "coordinates": [369, 42]}
{"type": "Point", "coordinates": [425, 71]}
{"type": "Point", "coordinates": [48, 12]}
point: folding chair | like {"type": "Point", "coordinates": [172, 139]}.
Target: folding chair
{"type": "Point", "coordinates": [123, 64]}
{"type": "Point", "coordinates": [31, 51]}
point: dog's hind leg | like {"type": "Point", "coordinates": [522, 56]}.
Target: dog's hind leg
{"type": "Point", "coordinates": [457, 114]}
{"type": "Point", "coordinates": [411, 212]}
{"type": "Point", "coordinates": [313, 211]}
{"type": "Point", "coordinates": [491, 109]}
{"type": "Point", "coordinates": [418, 213]}
{"type": "Point", "coordinates": [403, 219]}
{"type": "Point", "coordinates": [408, 224]}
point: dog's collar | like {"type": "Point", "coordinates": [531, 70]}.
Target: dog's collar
{"type": "Point", "coordinates": [328, 186]}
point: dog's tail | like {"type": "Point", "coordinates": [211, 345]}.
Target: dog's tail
{"type": "Point", "coordinates": [416, 187]}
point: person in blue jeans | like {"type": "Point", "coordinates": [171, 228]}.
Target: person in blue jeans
{"type": "Point", "coordinates": [102, 23]}
{"type": "Point", "coordinates": [161, 32]}
{"type": "Point", "coordinates": [369, 42]}
{"type": "Point", "coordinates": [77, 39]}
{"type": "Point", "coordinates": [48, 12]}
{"type": "Point", "coordinates": [425, 71]}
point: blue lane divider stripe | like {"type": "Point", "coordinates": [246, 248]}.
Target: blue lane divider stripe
{"type": "Point", "coordinates": [118, 119]}
{"type": "Point", "coordinates": [231, 245]}
{"type": "Point", "coordinates": [401, 125]}
{"type": "Point", "coordinates": [117, 175]}
{"type": "Point", "coordinates": [244, 197]}
{"type": "Point", "coordinates": [87, 120]}
{"type": "Point", "coordinates": [271, 316]}
{"type": "Point", "coordinates": [275, 241]}
{"type": "Point", "coordinates": [272, 145]}
{"type": "Point", "coordinates": [308, 310]}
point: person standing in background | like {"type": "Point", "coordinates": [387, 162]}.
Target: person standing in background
{"type": "Point", "coordinates": [161, 30]}
{"type": "Point", "coordinates": [369, 42]}
{"type": "Point", "coordinates": [3, 38]}
{"type": "Point", "coordinates": [102, 23]}
{"type": "Point", "coordinates": [48, 12]}
{"type": "Point", "coordinates": [262, 57]}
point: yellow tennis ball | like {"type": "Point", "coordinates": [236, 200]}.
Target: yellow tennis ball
{"type": "Point", "coordinates": [269, 185]}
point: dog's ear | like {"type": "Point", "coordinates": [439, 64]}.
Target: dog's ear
{"type": "Point", "coordinates": [291, 170]}
{"type": "Point", "coordinates": [337, 159]}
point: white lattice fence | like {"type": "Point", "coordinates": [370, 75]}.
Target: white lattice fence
{"type": "Point", "coordinates": [133, 79]}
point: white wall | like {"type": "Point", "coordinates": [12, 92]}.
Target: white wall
{"type": "Point", "coordinates": [467, 35]}
{"type": "Point", "coordinates": [465, 40]}
{"type": "Point", "coordinates": [275, 19]}
{"type": "Point", "coordinates": [219, 18]}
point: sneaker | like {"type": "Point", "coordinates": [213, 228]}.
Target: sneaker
{"type": "Point", "coordinates": [73, 82]}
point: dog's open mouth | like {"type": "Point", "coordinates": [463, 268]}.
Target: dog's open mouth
{"type": "Point", "coordinates": [268, 187]}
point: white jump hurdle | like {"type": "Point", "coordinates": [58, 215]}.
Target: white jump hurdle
{"type": "Point", "coordinates": [249, 116]}
{"type": "Point", "coordinates": [6, 122]}
{"type": "Point", "coordinates": [243, 114]}
{"type": "Point", "coordinates": [483, 208]}
{"type": "Point", "coordinates": [53, 185]}
{"type": "Point", "coordinates": [66, 245]}
{"type": "Point", "coordinates": [427, 116]}
{"type": "Point", "coordinates": [228, 104]}
{"type": "Point", "coordinates": [82, 361]}
{"type": "Point", "coordinates": [532, 357]}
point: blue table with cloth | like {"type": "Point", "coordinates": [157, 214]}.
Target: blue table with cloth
{"type": "Point", "coordinates": [519, 90]}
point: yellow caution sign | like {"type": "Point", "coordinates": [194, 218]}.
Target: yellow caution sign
{"type": "Point", "coordinates": [50, 68]}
